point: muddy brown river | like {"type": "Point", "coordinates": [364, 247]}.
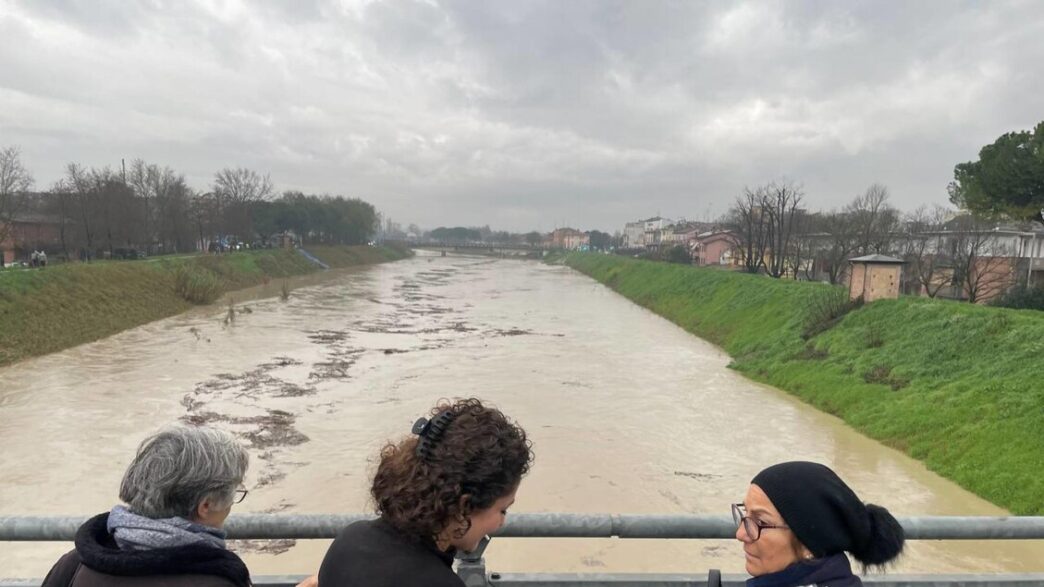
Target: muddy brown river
{"type": "Point", "coordinates": [628, 413]}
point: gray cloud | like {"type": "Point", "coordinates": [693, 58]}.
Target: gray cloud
{"type": "Point", "coordinates": [525, 114]}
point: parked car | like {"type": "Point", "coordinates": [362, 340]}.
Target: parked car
{"type": "Point", "coordinates": [128, 254]}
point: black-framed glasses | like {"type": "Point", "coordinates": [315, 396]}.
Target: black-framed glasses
{"type": "Point", "coordinates": [751, 526]}
{"type": "Point", "coordinates": [239, 496]}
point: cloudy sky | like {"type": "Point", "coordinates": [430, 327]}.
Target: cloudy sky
{"type": "Point", "coordinates": [525, 114]}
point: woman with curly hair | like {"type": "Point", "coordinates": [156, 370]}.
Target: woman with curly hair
{"type": "Point", "coordinates": [437, 491]}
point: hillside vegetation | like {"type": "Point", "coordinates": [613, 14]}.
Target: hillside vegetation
{"type": "Point", "coordinates": [957, 386]}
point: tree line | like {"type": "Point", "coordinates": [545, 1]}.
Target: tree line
{"type": "Point", "coordinates": [776, 235]}
{"type": "Point", "coordinates": [152, 208]}
{"type": "Point", "coordinates": [598, 240]}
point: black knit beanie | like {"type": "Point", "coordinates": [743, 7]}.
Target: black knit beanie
{"type": "Point", "coordinates": [827, 516]}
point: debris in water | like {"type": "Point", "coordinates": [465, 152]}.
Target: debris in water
{"type": "Point", "coordinates": [700, 476]}
{"type": "Point", "coordinates": [511, 332]}
{"type": "Point", "coordinates": [261, 546]}
{"type": "Point", "coordinates": [327, 336]}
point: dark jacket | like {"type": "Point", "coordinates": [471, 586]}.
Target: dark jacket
{"type": "Point", "coordinates": [829, 571]}
{"type": "Point", "coordinates": [97, 561]}
{"type": "Point", "coordinates": [374, 554]}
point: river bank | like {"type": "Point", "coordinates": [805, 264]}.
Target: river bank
{"type": "Point", "coordinates": [627, 412]}
{"type": "Point", "coordinates": [956, 386]}
{"type": "Point", "coordinates": [43, 311]}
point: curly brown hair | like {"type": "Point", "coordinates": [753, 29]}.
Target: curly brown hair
{"type": "Point", "coordinates": [481, 455]}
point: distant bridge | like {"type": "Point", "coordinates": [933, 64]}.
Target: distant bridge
{"type": "Point", "coordinates": [473, 248]}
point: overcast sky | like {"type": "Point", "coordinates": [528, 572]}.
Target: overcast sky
{"type": "Point", "coordinates": [525, 115]}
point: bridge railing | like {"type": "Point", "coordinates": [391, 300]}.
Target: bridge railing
{"type": "Point", "coordinates": [472, 569]}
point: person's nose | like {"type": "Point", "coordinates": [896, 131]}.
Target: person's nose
{"type": "Point", "coordinates": [741, 533]}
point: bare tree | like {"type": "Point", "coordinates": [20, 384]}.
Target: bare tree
{"type": "Point", "coordinates": [107, 207]}
{"type": "Point", "coordinates": [841, 243]}
{"type": "Point", "coordinates": [164, 198]}
{"type": "Point", "coordinates": [804, 245]}
{"type": "Point", "coordinates": [749, 223]}
{"type": "Point", "coordinates": [203, 210]}
{"type": "Point", "coordinates": [79, 185]}
{"type": "Point", "coordinates": [877, 221]}
{"type": "Point", "coordinates": [118, 209]}
{"type": "Point", "coordinates": [234, 190]}
{"type": "Point", "coordinates": [982, 267]}
{"type": "Point", "coordinates": [242, 185]}
{"type": "Point", "coordinates": [780, 201]}
{"type": "Point", "coordinates": [15, 181]}
{"type": "Point", "coordinates": [60, 202]}
{"type": "Point", "coordinates": [174, 198]}
{"type": "Point", "coordinates": [923, 248]}
{"type": "Point", "coordinates": [143, 180]}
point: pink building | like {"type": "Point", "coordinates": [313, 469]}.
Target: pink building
{"type": "Point", "coordinates": [26, 233]}
{"type": "Point", "coordinates": [715, 248]}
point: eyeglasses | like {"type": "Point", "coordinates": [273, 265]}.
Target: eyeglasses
{"type": "Point", "coordinates": [751, 526]}
{"type": "Point", "coordinates": [239, 496]}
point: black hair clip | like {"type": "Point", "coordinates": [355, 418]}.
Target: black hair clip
{"type": "Point", "coordinates": [431, 431]}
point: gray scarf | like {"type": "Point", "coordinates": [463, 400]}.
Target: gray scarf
{"type": "Point", "coordinates": [134, 532]}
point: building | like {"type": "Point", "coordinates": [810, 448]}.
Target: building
{"type": "Point", "coordinates": [982, 264]}
{"type": "Point", "coordinates": [656, 228]}
{"type": "Point", "coordinates": [681, 234]}
{"type": "Point", "coordinates": [570, 239]}
{"type": "Point", "coordinates": [716, 247]}
{"type": "Point", "coordinates": [29, 232]}
{"type": "Point", "coordinates": [875, 277]}
{"type": "Point", "coordinates": [634, 235]}
{"type": "Point", "coordinates": [656, 223]}
{"type": "Point", "coordinates": [648, 233]}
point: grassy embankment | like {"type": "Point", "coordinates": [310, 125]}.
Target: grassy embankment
{"type": "Point", "coordinates": [957, 386]}
{"type": "Point", "coordinates": [43, 311]}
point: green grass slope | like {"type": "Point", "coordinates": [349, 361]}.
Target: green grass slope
{"type": "Point", "coordinates": [46, 310]}
{"type": "Point", "coordinates": [957, 386]}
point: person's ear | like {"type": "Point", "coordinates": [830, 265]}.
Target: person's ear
{"type": "Point", "coordinates": [203, 508]}
{"type": "Point", "coordinates": [464, 505]}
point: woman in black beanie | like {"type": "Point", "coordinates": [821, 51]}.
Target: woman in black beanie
{"type": "Point", "coordinates": [798, 521]}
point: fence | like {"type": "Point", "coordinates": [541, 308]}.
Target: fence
{"type": "Point", "coordinates": [472, 569]}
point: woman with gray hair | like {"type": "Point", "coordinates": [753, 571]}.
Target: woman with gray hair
{"type": "Point", "coordinates": [179, 489]}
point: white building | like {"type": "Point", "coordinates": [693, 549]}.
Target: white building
{"type": "Point", "coordinates": [634, 235]}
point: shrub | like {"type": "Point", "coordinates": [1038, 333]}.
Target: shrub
{"type": "Point", "coordinates": [196, 284]}
{"type": "Point", "coordinates": [874, 335]}
{"type": "Point", "coordinates": [1022, 298]}
{"type": "Point", "coordinates": [882, 374]}
{"type": "Point", "coordinates": [679, 254]}
{"type": "Point", "coordinates": [825, 308]}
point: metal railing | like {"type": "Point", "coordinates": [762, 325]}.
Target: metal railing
{"type": "Point", "coordinates": [472, 569]}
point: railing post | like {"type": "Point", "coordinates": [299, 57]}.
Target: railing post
{"type": "Point", "coordinates": [471, 567]}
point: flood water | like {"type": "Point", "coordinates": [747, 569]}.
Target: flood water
{"type": "Point", "coordinates": [628, 413]}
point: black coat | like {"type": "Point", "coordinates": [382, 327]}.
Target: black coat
{"type": "Point", "coordinates": [830, 571]}
{"type": "Point", "coordinates": [374, 554]}
{"type": "Point", "coordinates": [97, 561]}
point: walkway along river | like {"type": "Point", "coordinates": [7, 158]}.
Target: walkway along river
{"type": "Point", "coordinates": [628, 413]}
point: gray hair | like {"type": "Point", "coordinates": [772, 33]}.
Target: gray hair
{"type": "Point", "coordinates": [176, 469]}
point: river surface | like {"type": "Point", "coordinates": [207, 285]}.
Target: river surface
{"type": "Point", "coordinates": [628, 413]}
